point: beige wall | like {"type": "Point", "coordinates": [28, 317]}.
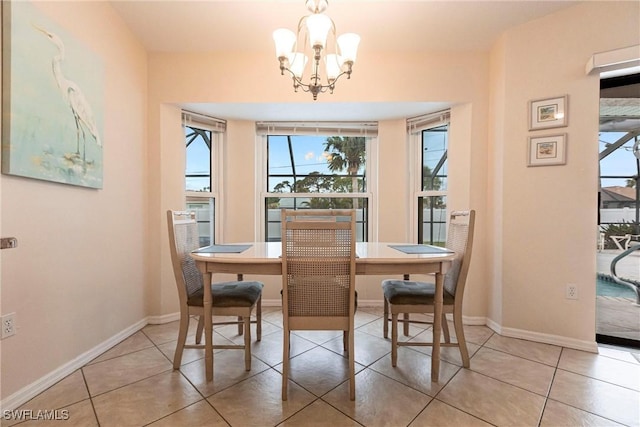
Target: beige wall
{"type": "Point", "coordinates": [92, 263]}
{"type": "Point", "coordinates": [457, 78]}
{"type": "Point", "coordinates": [518, 271]}
{"type": "Point", "coordinates": [545, 224]}
{"type": "Point", "coordinates": [393, 150]}
{"type": "Point", "coordinates": [78, 276]}
{"type": "Point", "coordinates": [494, 192]}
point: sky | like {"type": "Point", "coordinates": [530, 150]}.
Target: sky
{"type": "Point", "coordinates": [309, 156]}
{"type": "Point", "coordinates": [620, 162]}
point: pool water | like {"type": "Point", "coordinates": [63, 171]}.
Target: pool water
{"type": "Point", "coordinates": [612, 289]}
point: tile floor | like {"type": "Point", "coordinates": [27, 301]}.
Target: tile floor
{"type": "Point", "coordinates": [511, 382]}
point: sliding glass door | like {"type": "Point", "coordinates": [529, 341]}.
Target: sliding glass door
{"type": "Point", "coordinates": [617, 312]}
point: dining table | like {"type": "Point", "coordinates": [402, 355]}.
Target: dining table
{"type": "Point", "coordinates": [372, 258]}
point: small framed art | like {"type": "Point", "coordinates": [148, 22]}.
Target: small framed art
{"type": "Point", "coordinates": [547, 150]}
{"type": "Point", "coordinates": [548, 113]}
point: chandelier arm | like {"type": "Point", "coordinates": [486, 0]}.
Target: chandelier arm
{"type": "Point", "coordinates": [300, 26]}
{"type": "Point", "coordinates": [347, 72]}
{"type": "Point", "coordinates": [293, 58]}
{"type": "Point", "coordinates": [316, 88]}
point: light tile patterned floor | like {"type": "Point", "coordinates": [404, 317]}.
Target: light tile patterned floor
{"type": "Point", "coordinates": [511, 383]}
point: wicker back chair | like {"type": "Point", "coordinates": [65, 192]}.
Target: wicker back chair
{"type": "Point", "coordinates": [318, 278]}
{"type": "Point", "coordinates": [405, 296]}
{"type": "Point", "coordinates": [236, 298]}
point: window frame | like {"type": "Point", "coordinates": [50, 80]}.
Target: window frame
{"type": "Point", "coordinates": [415, 127]}
{"type": "Point", "coordinates": [300, 129]}
{"type": "Point", "coordinates": [217, 128]}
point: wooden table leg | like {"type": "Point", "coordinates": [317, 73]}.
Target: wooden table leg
{"type": "Point", "coordinates": [208, 327]}
{"type": "Point", "coordinates": [437, 327]}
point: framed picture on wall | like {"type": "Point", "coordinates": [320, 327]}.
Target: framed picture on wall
{"type": "Point", "coordinates": [548, 113]}
{"type": "Point", "coordinates": [547, 150]}
{"type": "Point", "coordinates": [53, 100]}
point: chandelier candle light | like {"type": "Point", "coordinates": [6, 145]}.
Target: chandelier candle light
{"type": "Point", "coordinates": [315, 29]}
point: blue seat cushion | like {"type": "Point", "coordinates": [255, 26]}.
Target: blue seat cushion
{"type": "Point", "coordinates": [230, 294]}
{"type": "Point", "coordinates": [403, 292]}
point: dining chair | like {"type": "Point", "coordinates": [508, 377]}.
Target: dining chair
{"type": "Point", "coordinates": [318, 279]}
{"type": "Point", "coordinates": [413, 297]}
{"type": "Point", "coordinates": [234, 298]}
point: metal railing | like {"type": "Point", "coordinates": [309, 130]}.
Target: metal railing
{"type": "Point", "coordinates": [626, 282]}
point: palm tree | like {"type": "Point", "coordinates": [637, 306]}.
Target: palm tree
{"type": "Point", "coordinates": [347, 153]}
{"type": "Point", "coordinates": [283, 187]}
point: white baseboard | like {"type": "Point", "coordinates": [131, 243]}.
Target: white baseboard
{"type": "Point", "coordinates": [165, 318]}
{"type": "Point", "coordinates": [370, 303]}
{"type": "Point", "coordinates": [495, 327]}
{"type": "Point", "coordinates": [35, 388]}
{"type": "Point", "coordinates": [272, 302]}
{"type": "Point", "coordinates": [590, 346]}
{"type": "Point", "coordinates": [29, 392]}
{"type": "Point", "coordinates": [475, 321]}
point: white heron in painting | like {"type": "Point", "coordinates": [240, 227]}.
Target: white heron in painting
{"type": "Point", "coordinates": [73, 96]}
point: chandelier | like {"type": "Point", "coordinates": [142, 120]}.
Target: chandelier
{"type": "Point", "coordinates": [331, 61]}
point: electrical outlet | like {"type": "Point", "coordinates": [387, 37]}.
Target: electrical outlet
{"type": "Point", "coordinates": [572, 291]}
{"type": "Point", "coordinates": [8, 325]}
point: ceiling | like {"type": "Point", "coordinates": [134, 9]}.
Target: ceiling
{"type": "Point", "coordinates": [246, 25]}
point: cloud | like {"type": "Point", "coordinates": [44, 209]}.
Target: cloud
{"type": "Point", "coordinates": [309, 155]}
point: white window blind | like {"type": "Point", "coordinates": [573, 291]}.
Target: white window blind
{"type": "Point", "coordinates": [365, 129]}
{"type": "Point", "coordinates": [427, 121]}
{"type": "Point", "coordinates": [193, 119]}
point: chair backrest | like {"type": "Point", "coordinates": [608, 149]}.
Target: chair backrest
{"type": "Point", "coordinates": [184, 238]}
{"type": "Point", "coordinates": [459, 240]}
{"type": "Point", "coordinates": [318, 268]}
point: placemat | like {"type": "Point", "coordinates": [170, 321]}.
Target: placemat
{"type": "Point", "coordinates": [222, 249]}
{"type": "Point", "coordinates": [421, 249]}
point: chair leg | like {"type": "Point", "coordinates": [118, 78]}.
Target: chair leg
{"type": "Point", "coordinates": [240, 325]}
{"type": "Point", "coordinates": [247, 343]}
{"type": "Point", "coordinates": [352, 369]}
{"type": "Point", "coordinates": [445, 329]}
{"type": "Point", "coordinates": [394, 339]}
{"type": "Point", "coordinates": [259, 320]}
{"type": "Point", "coordinates": [385, 319]}
{"type": "Point", "coordinates": [182, 338]}
{"type": "Point", "coordinates": [285, 364]}
{"type": "Point", "coordinates": [199, 329]}
{"type": "Point", "coordinates": [345, 341]}
{"type": "Point", "coordinates": [462, 343]}
{"type": "Point", "coordinates": [405, 324]}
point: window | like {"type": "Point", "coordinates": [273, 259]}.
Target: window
{"type": "Point", "coordinates": [198, 155]}
{"type": "Point", "coordinates": [431, 135]}
{"type": "Point", "coordinates": [202, 145]}
{"type": "Point", "coordinates": [324, 169]}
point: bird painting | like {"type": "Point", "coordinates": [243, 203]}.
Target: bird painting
{"type": "Point", "coordinates": [53, 99]}
{"type": "Point", "coordinates": [85, 123]}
